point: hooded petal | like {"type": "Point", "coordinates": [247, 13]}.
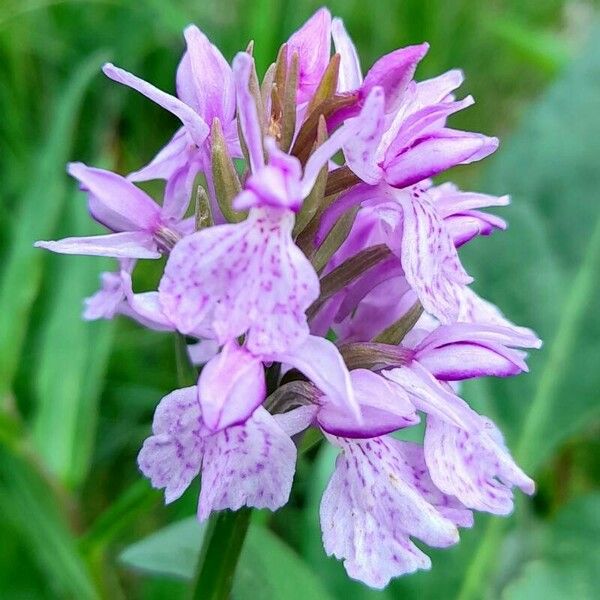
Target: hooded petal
{"type": "Point", "coordinates": [244, 278]}
{"type": "Point", "coordinates": [375, 501]}
{"type": "Point", "coordinates": [172, 455]}
{"type": "Point", "coordinates": [384, 407]}
{"type": "Point", "coordinates": [429, 258]}
{"type": "Point", "coordinates": [247, 465]}
{"type": "Point", "coordinates": [312, 42]}
{"type": "Point", "coordinates": [476, 468]}
{"type": "Point", "coordinates": [350, 74]}
{"type": "Point", "coordinates": [134, 244]}
{"type": "Point", "coordinates": [231, 386]}
{"type": "Point", "coordinates": [115, 202]}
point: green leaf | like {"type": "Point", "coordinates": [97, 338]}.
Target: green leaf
{"type": "Point", "coordinates": [72, 361]}
{"type": "Point", "coordinates": [37, 215]}
{"type": "Point", "coordinates": [267, 568]}
{"type": "Point", "coordinates": [27, 501]}
{"type": "Point", "coordinates": [569, 564]}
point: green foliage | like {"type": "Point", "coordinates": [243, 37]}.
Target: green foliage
{"type": "Point", "coordinates": [76, 398]}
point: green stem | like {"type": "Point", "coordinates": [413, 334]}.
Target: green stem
{"type": "Point", "coordinates": [219, 555]}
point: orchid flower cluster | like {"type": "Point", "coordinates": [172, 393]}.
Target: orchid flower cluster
{"type": "Point", "coordinates": [312, 264]}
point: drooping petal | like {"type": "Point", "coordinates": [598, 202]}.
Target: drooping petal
{"type": "Point", "coordinates": [476, 468]}
{"type": "Point", "coordinates": [244, 278]}
{"type": "Point", "coordinates": [134, 244]}
{"type": "Point", "coordinates": [430, 396]}
{"type": "Point", "coordinates": [393, 72]}
{"type": "Point", "coordinates": [469, 224]}
{"type": "Point", "coordinates": [171, 457]}
{"type": "Point", "coordinates": [384, 408]}
{"type": "Point", "coordinates": [231, 386]}
{"type": "Point", "coordinates": [312, 42]}
{"type": "Point", "coordinates": [247, 465]}
{"type": "Point", "coordinates": [350, 74]}
{"type": "Point", "coordinates": [247, 111]}
{"type": "Point", "coordinates": [202, 351]}
{"type": "Point", "coordinates": [320, 360]}
{"type": "Point", "coordinates": [375, 501]}
{"type": "Point", "coordinates": [212, 79]}
{"type": "Point", "coordinates": [194, 124]}
{"type": "Point", "coordinates": [429, 258]}
{"type": "Point", "coordinates": [114, 201]}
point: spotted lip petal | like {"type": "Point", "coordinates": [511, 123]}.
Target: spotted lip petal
{"type": "Point", "coordinates": [244, 278]}
{"type": "Point", "coordinates": [377, 499]}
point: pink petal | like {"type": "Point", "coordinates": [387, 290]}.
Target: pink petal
{"type": "Point", "coordinates": [171, 457]}
{"type": "Point", "coordinates": [312, 42]}
{"type": "Point", "coordinates": [350, 75]}
{"type": "Point", "coordinates": [375, 501]}
{"type": "Point", "coordinates": [464, 227]}
{"type": "Point", "coordinates": [211, 79]}
{"type": "Point", "coordinates": [231, 386]}
{"type": "Point", "coordinates": [135, 244]}
{"type": "Point", "coordinates": [320, 360]}
{"type": "Point", "coordinates": [244, 278]}
{"type": "Point", "coordinates": [247, 112]}
{"type": "Point", "coordinates": [430, 396]}
{"type": "Point", "coordinates": [116, 202]}
{"type": "Point", "coordinates": [476, 468]}
{"type": "Point", "coordinates": [429, 258]}
{"type": "Point", "coordinates": [384, 407]}
{"type": "Point", "coordinates": [194, 124]}
{"type": "Point", "coordinates": [432, 155]}
{"type": "Point", "coordinates": [393, 72]}
{"type": "Point", "coordinates": [437, 89]}
{"type": "Point", "coordinates": [247, 465]}
{"type": "Point", "coordinates": [297, 419]}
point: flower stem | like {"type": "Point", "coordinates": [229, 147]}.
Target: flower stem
{"type": "Point", "coordinates": [219, 555]}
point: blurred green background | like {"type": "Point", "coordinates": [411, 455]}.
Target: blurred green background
{"type": "Point", "coordinates": [76, 398]}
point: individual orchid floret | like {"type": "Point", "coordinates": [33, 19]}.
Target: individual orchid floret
{"type": "Point", "coordinates": [140, 227]}
{"type": "Point", "coordinates": [251, 464]}
{"type": "Point", "coordinates": [205, 91]}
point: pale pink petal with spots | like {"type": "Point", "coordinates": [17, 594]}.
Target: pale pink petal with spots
{"type": "Point", "coordinates": [247, 465]}
{"type": "Point", "coordinates": [245, 278]}
{"type": "Point", "coordinates": [476, 468]}
{"type": "Point", "coordinates": [171, 457]}
{"type": "Point", "coordinates": [380, 496]}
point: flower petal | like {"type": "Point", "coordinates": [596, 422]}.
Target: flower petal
{"type": "Point", "coordinates": [194, 124]}
{"type": "Point", "coordinates": [134, 244]}
{"type": "Point", "coordinates": [312, 42]}
{"type": "Point", "coordinates": [114, 201]}
{"type": "Point", "coordinates": [350, 75]}
{"type": "Point", "coordinates": [244, 278]}
{"type": "Point", "coordinates": [375, 501]}
{"type": "Point", "coordinates": [429, 258]}
{"type": "Point", "coordinates": [384, 408]}
{"type": "Point", "coordinates": [476, 468]}
{"type": "Point", "coordinates": [320, 360]}
{"type": "Point", "coordinates": [231, 386]}
{"type": "Point", "coordinates": [247, 465]}
{"type": "Point", "coordinates": [171, 457]}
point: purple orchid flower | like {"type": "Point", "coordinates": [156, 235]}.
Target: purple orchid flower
{"type": "Point", "coordinates": [140, 227]}
{"type": "Point", "coordinates": [205, 91]}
